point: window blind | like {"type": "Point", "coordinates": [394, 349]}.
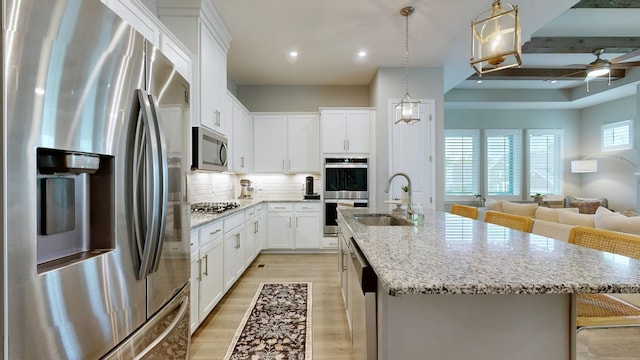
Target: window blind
{"type": "Point", "coordinates": [461, 162]}
{"type": "Point", "coordinates": [503, 162]}
{"type": "Point", "coordinates": [545, 161]}
{"type": "Point", "coordinates": [617, 136]}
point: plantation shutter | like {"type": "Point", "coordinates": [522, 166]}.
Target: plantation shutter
{"type": "Point", "coordinates": [503, 162]}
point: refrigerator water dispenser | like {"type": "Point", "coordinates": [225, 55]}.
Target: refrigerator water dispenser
{"type": "Point", "coordinates": [76, 206]}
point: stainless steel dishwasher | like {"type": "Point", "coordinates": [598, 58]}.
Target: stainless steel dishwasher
{"type": "Point", "coordinates": [363, 305]}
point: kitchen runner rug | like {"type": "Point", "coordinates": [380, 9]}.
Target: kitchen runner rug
{"type": "Point", "coordinates": [277, 324]}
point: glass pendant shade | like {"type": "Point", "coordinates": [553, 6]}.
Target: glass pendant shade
{"type": "Point", "coordinates": [407, 111]}
{"type": "Point", "coordinates": [495, 40]}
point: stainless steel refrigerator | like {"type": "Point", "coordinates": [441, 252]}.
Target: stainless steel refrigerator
{"type": "Point", "coordinates": [95, 246]}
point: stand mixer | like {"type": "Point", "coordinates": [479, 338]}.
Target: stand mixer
{"type": "Point", "coordinates": [246, 190]}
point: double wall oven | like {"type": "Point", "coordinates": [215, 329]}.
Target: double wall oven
{"type": "Point", "coordinates": [345, 179]}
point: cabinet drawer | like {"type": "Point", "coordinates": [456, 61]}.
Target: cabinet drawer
{"type": "Point", "coordinates": [250, 212]}
{"type": "Point", "coordinates": [233, 221]}
{"type": "Point", "coordinates": [210, 232]}
{"type": "Point", "coordinates": [276, 207]}
{"type": "Point", "coordinates": [308, 207]}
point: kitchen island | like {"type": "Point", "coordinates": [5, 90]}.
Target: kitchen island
{"type": "Point", "coordinates": [457, 288]}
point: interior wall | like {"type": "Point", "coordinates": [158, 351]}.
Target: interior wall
{"type": "Point", "coordinates": [389, 83]}
{"type": "Point", "coordinates": [614, 179]}
{"type": "Point", "coordinates": [291, 98]}
{"type": "Point", "coordinates": [568, 120]}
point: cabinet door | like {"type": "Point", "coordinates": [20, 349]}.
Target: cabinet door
{"type": "Point", "coordinates": [211, 282]}
{"type": "Point", "coordinates": [358, 131]}
{"type": "Point", "coordinates": [210, 108]}
{"type": "Point", "coordinates": [307, 230]}
{"type": "Point", "coordinates": [269, 141]}
{"type": "Point", "coordinates": [242, 145]}
{"type": "Point", "coordinates": [261, 231]}
{"type": "Point", "coordinates": [334, 131]}
{"type": "Point", "coordinates": [303, 142]}
{"type": "Point", "coordinates": [233, 255]}
{"type": "Point", "coordinates": [343, 257]}
{"type": "Point", "coordinates": [195, 281]}
{"type": "Point", "coordinates": [279, 233]}
{"type": "Point", "coordinates": [250, 231]}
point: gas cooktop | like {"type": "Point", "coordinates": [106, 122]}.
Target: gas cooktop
{"type": "Point", "coordinates": [212, 208]}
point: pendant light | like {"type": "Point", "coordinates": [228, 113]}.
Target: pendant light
{"type": "Point", "coordinates": [408, 110]}
{"type": "Point", "coordinates": [495, 40]}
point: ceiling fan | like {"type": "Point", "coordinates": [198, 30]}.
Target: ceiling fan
{"type": "Point", "coordinates": [600, 66]}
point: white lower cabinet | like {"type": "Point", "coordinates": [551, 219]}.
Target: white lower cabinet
{"type": "Point", "coordinates": [261, 229]}
{"type": "Point", "coordinates": [195, 281]}
{"type": "Point", "coordinates": [206, 271]}
{"type": "Point", "coordinates": [250, 230]}
{"type": "Point", "coordinates": [234, 243]}
{"type": "Point", "coordinates": [294, 226]}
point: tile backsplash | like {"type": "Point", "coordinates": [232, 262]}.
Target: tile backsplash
{"type": "Point", "coordinates": [211, 187]}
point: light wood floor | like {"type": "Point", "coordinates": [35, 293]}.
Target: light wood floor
{"type": "Point", "coordinates": [331, 338]}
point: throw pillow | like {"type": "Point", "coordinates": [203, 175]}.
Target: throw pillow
{"type": "Point", "coordinates": [572, 218]}
{"type": "Point", "coordinates": [495, 205]}
{"type": "Point", "coordinates": [551, 214]}
{"type": "Point", "coordinates": [609, 220]}
{"type": "Point", "coordinates": [519, 209]}
{"type": "Point", "coordinates": [585, 205]}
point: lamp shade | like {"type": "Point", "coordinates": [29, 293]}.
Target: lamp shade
{"type": "Point", "coordinates": [495, 40]}
{"type": "Point", "coordinates": [407, 111]}
{"type": "Point", "coordinates": [584, 166]}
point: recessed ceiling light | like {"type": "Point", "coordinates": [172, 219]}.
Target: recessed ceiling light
{"type": "Point", "coordinates": [553, 81]}
{"type": "Point", "coordinates": [293, 54]}
{"type": "Point", "coordinates": [362, 53]}
{"type": "Point", "coordinates": [478, 81]}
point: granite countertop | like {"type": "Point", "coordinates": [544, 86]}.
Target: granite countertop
{"type": "Point", "coordinates": [451, 254]}
{"type": "Point", "coordinates": [199, 220]}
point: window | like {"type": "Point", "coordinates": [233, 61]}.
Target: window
{"type": "Point", "coordinates": [545, 161]}
{"type": "Point", "coordinates": [617, 136]}
{"type": "Point", "coordinates": [461, 162]}
{"type": "Point", "coordinates": [503, 158]}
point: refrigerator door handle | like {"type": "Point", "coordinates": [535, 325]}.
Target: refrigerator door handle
{"type": "Point", "coordinates": [162, 170]}
{"type": "Point", "coordinates": [146, 162]}
{"type": "Point", "coordinates": [184, 306]}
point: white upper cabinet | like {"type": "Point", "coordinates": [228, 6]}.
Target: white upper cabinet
{"type": "Point", "coordinates": [241, 145]}
{"type": "Point", "coordinates": [269, 143]}
{"type": "Point", "coordinates": [303, 143]}
{"type": "Point", "coordinates": [286, 143]}
{"type": "Point", "coordinates": [199, 26]}
{"type": "Point", "coordinates": [136, 14]}
{"type": "Point", "coordinates": [346, 131]}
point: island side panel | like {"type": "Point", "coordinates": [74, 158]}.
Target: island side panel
{"type": "Point", "coordinates": [479, 327]}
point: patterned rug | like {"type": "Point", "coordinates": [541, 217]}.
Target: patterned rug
{"type": "Point", "coordinates": [277, 325]}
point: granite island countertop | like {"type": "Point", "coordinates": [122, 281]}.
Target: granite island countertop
{"type": "Point", "coordinates": [450, 254]}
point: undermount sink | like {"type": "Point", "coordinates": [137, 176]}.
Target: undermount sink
{"type": "Point", "coordinates": [381, 220]}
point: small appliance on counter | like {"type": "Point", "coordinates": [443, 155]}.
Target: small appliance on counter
{"type": "Point", "coordinates": [308, 189]}
{"type": "Point", "coordinates": [247, 190]}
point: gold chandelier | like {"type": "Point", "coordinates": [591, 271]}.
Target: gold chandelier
{"type": "Point", "coordinates": [495, 40]}
{"type": "Point", "coordinates": [408, 110]}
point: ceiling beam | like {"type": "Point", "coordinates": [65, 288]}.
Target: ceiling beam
{"type": "Point", "coordinates": [577, 45]}
{"type": "Point", "coordinates": [543, 74]}
{"type": "Point", "coordinates": [607, 4]}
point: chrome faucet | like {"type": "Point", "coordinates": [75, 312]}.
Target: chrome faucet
{"type": "Point", "coordinates": [386, 189]}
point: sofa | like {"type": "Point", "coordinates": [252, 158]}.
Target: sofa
{"type": "Point", "coordinates": [556, 223]}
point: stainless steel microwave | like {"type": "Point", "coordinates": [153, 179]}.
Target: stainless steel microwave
{"type": "Point", "coordinates": [209, 150]}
